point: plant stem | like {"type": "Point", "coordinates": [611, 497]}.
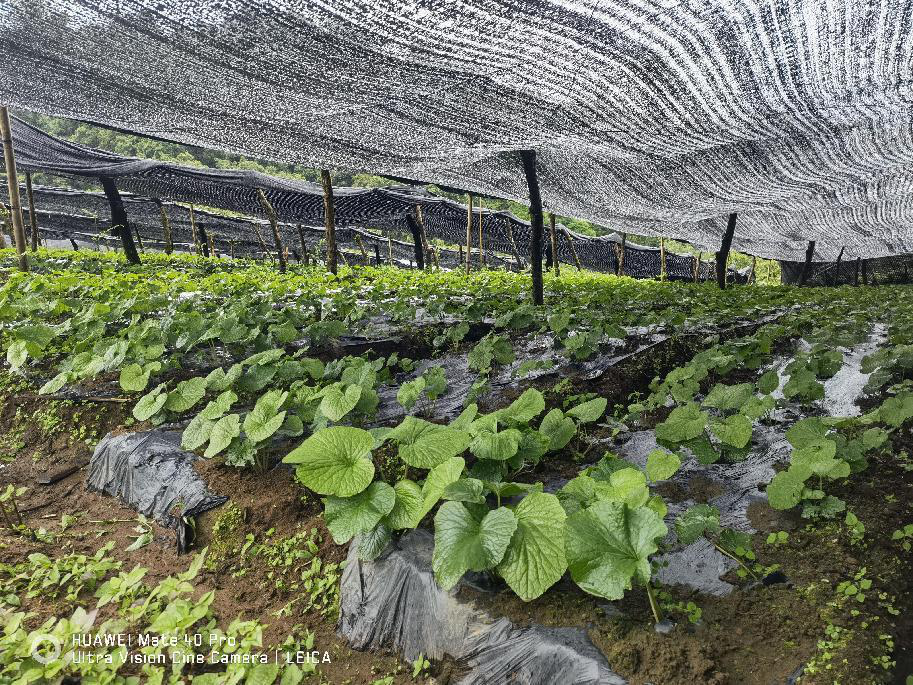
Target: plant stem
{"type": "Point", "coordinates": [736, 560]}
{"type": "Point", "coordinates": [657, 614]}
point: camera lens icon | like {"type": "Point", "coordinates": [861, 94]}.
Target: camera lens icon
{"type": "Point", "coordinates": [41, 653]}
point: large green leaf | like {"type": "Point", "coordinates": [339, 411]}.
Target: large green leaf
{"type": "Point", "coordinates": [785, 490]}
{"type": "Point", "coordinates": [806, 431]}
{"type": "Point", "coordinates": [265, 418]}
{"type": "Point", "coordinates": [662, 465]}
{"type": "Point", "coordinates": [558, 428]}
{"type": "Point", "coordinates": [216, 408]}
{"type": "Point", "coordinates": [133, 378]}
{"type": "Point", "coordinates": [186, 395]}
{"type": "Point", "coordinates": [437, 481]}
{"type": "Point", "coordinates": [627, 485]}
{"type": "Point", "coordinates": [407, 510]}
{"type": "Point", "coordinates": [587, 412]}
{"type": "Point", "coordinates": [150, 404]}
{"type": "Point", "coordinates": [699, 519]}
{"type": "Point", "coordinates": [425, 445]}
{"type": "Point", "coordinates": [464, 543]}
{"type": "Point", "coordinates": [535, 561]}
{"type": "Point", "coordinates": [523, 409]}
{"type": "Point", "coordinates": [197, 432]}
{"type": "Point", "coordinates": [609, 544]}
{"type": "Point", "coordinates": [734, 430]}
{"type": "Point", "coordinates": [499, 446]}
{"type": "Point", "coordinates": [346, 517]}
{"type": "Point", "coordinates": [684, 423]}
{"type": "Point", "coordinates": [374, 541]}
{"type": "Point", "coordinates": [729, 397]}
{"type": "Point", "coordinates": [223, 432]}
{"type": "Point", "coordinates": [465, 490]}
{"type": "Point", "coordinates": [896, 411]}
{"type": "Point", "coordinates": [335, 461]}
{"type": "Point", "coordinates": [337, 402]}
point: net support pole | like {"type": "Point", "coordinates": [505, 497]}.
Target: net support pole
{"type": "Point", "coordinates": [856, 275]}
{"type": "Point", "coordinates": [469, 233]}
{"type": "Point", "coordinates": [837, 265]}
{"type": "Point", "coordinates": [570, 242]}
{"type": "Point", "coordinates": [274, 224]}
{"type": "Point", "coordinates": [376, 254]}
{"type": "Point", "coordinates": [528, 158]}
{"type": "Point", "coordinates": [722, 256]}
{"type": "Point", "coordinates": [304, 245]}
{"type": "Point", "coordinates": [329, 214]}
{"type": "Point", "coordinates": [481, 239]}
{"type": "Point", "coordinates": [697, 267]}
{"type": "Point", "coordinates": [204, 241]}
{"type": "Point", "coordinates": [865, 272]}
{"type": "Point", "coordinates": [33, 218]}
{"type": "Point", "coordinates": [12, 182]}
{"type": "Point", "coordinates": [119, 219]}
{"type": "Point", "coordinates": [621, 255]}
{"type": "Point", "coordinates": [430, 257]}
{"type": "Point", "coordinates": [416, 232]}
{"type": "Point", "coordinates": [361, 248]}
{"type": "Point", "coordinates": [166, 229]}
{"type": "Point", "coordinates": [139, 238]}
{"type": "Point", "coordinates": [553, 239]}
{"type": "Point", "coordinates": [806, 267]}
{"type": "Point", "coordinates": [662, 259]}
{"type": "Point", "coordinates": [513, 246]}
{"type": "Point", "coordinates": [390, 251]}
{"type": "Point", "coordinates": [752, 278]}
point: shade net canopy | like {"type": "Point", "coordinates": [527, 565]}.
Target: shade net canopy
{"type": "Point", "coordinates": [647, 116]}
{"type": "Point", "coordinates": [504, 237]}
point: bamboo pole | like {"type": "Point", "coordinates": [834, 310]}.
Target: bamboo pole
{"type": "Point", "coordinates": [662, 259]}
{"type": "Point", "coordinates": [570, 241]}
{"type": "Point", "coordinates": [329, 212]}
{"type": "Point", "coordinates": [621, 255]}
{"type": "Point", "coordinates": [12, 182]}
{"type": "Point", "coordinates": [390, 251]}
{"type": "Point", "coordinates": [166, 229]}
{"type": "Point", "coordinates": [33, 217]}
{"type": "Point", "coordinates": [274, 224]}
{"type": "Point", "coordinates": [469, 234]}
{"type": "Point", "coordinates": [697, 268]}
{"type": "Point", "coordinates": [482, 260]}
{"type": "Point", "coordinates": [554, 241]}
{"type": "Point", "coordinates": [304, 245]}
{"type": "Point", "coordinates": [837, 265]}
{"type": "Point", "coordinates": [193, 231]}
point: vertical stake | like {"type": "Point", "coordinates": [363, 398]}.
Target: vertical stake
{"type": "Point", "coordinates": [329, 213]}
{"type": "Point", "coordinates": [722, 256]}
{"type": "Point", "coordinates": [554, 241]}
{"type": "Point", "coordinates": [806, 267]}
{"type": "Point", "coordinates": [469, 234]}
{"type": "Point", "coordinates": [528, 158]}
{"type": "Point", "coordinates": [662, 259]}
{"type": "Point", "coordinates": [274, 224]}
{"type": "Point", "coordinates": [12, 182]}
{"type": "Point", "coordinates": [33, 218]}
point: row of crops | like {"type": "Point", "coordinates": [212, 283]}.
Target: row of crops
{"type": "Point", "coordinates": [448, 402]}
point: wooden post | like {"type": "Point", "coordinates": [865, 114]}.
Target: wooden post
{"type": "Point", "coordinates": [806, 267]}
{"type": "Point", "coordinates": [837, 265]}
{"type": "Point", "coordinates": [570, 242]}
{"type": "Point", "coordinates": [329, 213]}
{"type": "Point", "coordinates": [274, 224]}
{"type": "Point", "coordinates": [621, 255]}
{"type": "Point", "coordinates": [231, 247]}
{"type": "Point", "coordinates": [865, 272]}
{"type": "Point", "coordinates": [390, 251]}
{"type": "Point", "coordinates": [662, 259]}
{"type": "Point", "coordinates": [166, 229]}
{"type": "Point", "coordinates": [418, 247]}
{"type": "Point", "coordinates": [376, 254]}
{"type": "Point", "coordinates": [304, 245]}
{"type": "Point", "coordinates": [7, 225]}
{"type": "Point", "coordinates": [193, 231]}
{"type": "Point", "coordinates": [12, 182]}
{"type": "Point", "coordinates": [697, 268]}
{"type": "Point", "coordinates": [33, 218]}
{"type": "Point", "coordinates": [722, 256]}
{"type": "Point", "coordinates": [481, 239]}
{"type": "Point", "coordinates": [856, 275]}
{"type": "Point", "coordinates": [212, 245]}
{"type": "Point", "coordinates": [513, 246]}
{"type": "Point", "coordinates": [139, 238]}
{"type": "Point", "coordinates": [260, 240]}
{"type": "Point", "coordinates": [119, 219]}
{"type": "Point", "coordinates": [754, 265]}
{"type": "Point", "coordinates": [460, 246]}
{"type": "Point", "coordinates": [361, 248]}
{"type": "Point", "coordinates": [554, 241]}
{"type": "Point", "coordinates": [528, 158]}
{"type": "Point", "coordinates": [469, 234]}
{"type": "Point", "coordinates": [204, 241]}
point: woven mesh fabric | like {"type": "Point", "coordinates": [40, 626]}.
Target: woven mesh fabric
{"type": "Point", "coordinates": [648, 116]}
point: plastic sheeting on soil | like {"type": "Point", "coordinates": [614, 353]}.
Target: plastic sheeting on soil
{"type": "Point", "coordinates": [153, 475]}
{"type": "Point", "coordinates": [394, 602]}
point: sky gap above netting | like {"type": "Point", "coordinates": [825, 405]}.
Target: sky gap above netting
{"type": "Point", "coordinates": [649, 117]}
